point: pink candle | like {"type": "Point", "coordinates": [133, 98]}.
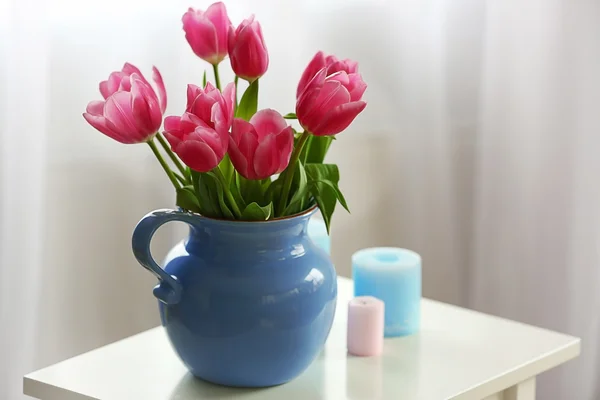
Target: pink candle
{"type": "Point", "coordinates": [365, 326]}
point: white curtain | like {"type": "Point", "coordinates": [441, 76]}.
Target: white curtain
{"type": "Point", "coordinates": [479, 149]}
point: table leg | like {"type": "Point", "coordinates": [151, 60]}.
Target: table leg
{"type": "Point", "coordinates": [522, 391]}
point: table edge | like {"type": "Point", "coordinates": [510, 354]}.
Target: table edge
{"type": "Point", "coordinates": [521, 373]}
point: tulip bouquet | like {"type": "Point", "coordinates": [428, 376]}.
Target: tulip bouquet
{"type": "Point", "coordinates": [226, 158]}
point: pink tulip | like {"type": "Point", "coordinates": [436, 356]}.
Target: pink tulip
{"type": "Point", "coordinates": [214, 108]}
{"type": "Point", "coordinates": [247, 50]}
{"type": "Point", "coordinates": [197, 144]}
{"type": "Point", "coordinates": [333, 65]}
{"type": "Point", "coordinates": [261, 147]}
{"type": "Point", "coordinates": [132, 111]}
{"type": "Point", "coordinates": [207, 31]}
{"type": "Point", "coordinates": [329, 103]}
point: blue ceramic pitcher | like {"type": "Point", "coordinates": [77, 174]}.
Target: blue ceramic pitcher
{"type": "Point", "coordinates": [245, 303]}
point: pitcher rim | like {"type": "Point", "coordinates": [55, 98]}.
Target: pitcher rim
{"type": "Point", "coordinates": [307, 212]}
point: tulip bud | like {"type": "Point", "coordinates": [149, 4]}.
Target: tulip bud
{"type": "Point", "coordinates": [207, 32]}
{"type": "Point", "coordinates": [247, 50]}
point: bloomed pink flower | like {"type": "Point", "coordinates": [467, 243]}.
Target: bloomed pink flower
{"type": "Point", "coordinates": [199, 146]}
{"type": "Point", "coordinates": [329, 103]}
{"type": "Point", "coordinates": [320, 61]}
{"type": "Point", "coordinates": [132, 111]}
{"type": "Point", "coordinates": [261, 147]}
{"type": "Point", "coordinates": [214, 108]}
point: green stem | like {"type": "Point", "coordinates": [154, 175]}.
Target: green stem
{"type": "Point", "coordinates": [235, 102]}
{"type": "Point", "coordinates": [172, 155]}
{"type": "Point", "coordinates": [163, 164]}
{"type": "Point", "coordinates": [289, 173]}
{"type": "Point", "coordinates": [217, 80]}
{"type": "Point", "coordinates": [232, 202]}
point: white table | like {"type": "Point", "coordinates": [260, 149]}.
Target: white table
{"type": "Point", "coordinates": [459, 354]}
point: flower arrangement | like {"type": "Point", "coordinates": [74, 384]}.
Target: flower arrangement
{"type": "Point", "coordinates": [228, 159]}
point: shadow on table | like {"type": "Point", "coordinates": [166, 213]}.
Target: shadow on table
{"type": "Point", "coordinates": [309, 385]}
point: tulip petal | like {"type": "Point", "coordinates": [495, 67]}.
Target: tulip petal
{"type": "Point", "coordinates": [357, 87]}
{"type": "Point", "coordinates": [144, 107]}
{"type": "Point", "coordinates": [113, 83]}
{"type": "Point", "coordinates": [247, 144]}
{"type": "Point", "coordinates": [189, 122]}
{"type": "Point", "coordinates": [285, 146]}
{"type": "Point", "coordinates": [314, 66]}
{"type": "Point", "coordinates": [229, 97]}
{"type": "Point", "coordinates": [162, 91]}
{"type": "Point", "coordinates": [129, 69]}
{"type": "Point", "coordinates": [305, 104]}
{"type": "Point", "coordinates": [173, 139]}
{"type": "Point", "coordinates": [117, 110]}
{"type": "Point", "coordinates": [208, 136]}
{"type": "Point", "coordinates": [340, 76]}
{"type": "Point", "coordinates": [338, 118]}
{"type": "Point", "coordinates": [95, 107]}
{"type": "Point", "coordinates": [237, 158]}
{"type": "Point", "coordinates": [197, 155]}
{"type": "Point", "coordinates": [192, 93]}
{"type": "Point", "coordinates": [247, 50]}
{"type": "Point", "coordinates": [332, 94]}
{"type": "Point", "coordinates": [217, 14]}
{"type": "Point", "coordinates": [351, 66]}
{"type": "Point", "coordinates": [201, 36]}
{"type": "Point", "coordinates": [101, 124]}
{"type": "Point", "coordinates": [103, 86]}
{"type": "Point", "coordinates": [239, 128]}
{"type": "Point", "coordinates": [267, 121]}
{"type": "Point", "coordinates": [265, 157]}
{"type": "Point", "coordinates": [202, 108]}
{"type": "Point", "coordinates": [209, 87]}
{"type": "Point", "coordinates": [172, 123]}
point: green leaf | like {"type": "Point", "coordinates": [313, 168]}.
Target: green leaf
{"type": "Point", "coordinates": [273, 192]}
{"type": "Point", "coordinates": [195, 176]}
{"type": "Point", "coordinates": [290, 116]}
{"type": "Point", "coordinates": [323, 185]}
{"type": "Point", "coordinates": [249, 102]}
{"type": "Point", "coordinates": [254, 212]}
{"type": "Point", "coordinates": [315, 149]}
{"type": "Point", "coordinates": [204, 80]}
{"type": "Point", "coordinates": [326, 201]}
{"type": "Point", "coordinates": [209, 203]}
{"type": "Point", "coordinates": [226, 168]}
{"type": "Point", "coordinates": [186, 199]}
{"type": "Point", "coordinates": [253, 191]}
{"type": "Point", "coordinates": [235, 190]}
{"type": "Point", "coordinates": [218, 188]}
{"type": "Point", "coordinates": [336, 189]}
{"type": "Point", "coordinates": [300, 191]}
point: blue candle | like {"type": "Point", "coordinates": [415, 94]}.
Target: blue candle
{"type": "Point", "coordinates": [392, 275]}
{"type": "Point", "coordinates": [318, 233]}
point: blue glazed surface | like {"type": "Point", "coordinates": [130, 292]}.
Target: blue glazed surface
{"type": "Point", "coordinates": [244, 303]}
{"type": "Point", "coordinates": [318, 233]}
{"type": "Point", "coordinates": [393, 275]}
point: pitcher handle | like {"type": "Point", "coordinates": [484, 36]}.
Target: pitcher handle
{"type": "Point", "coordinates": [169, 289]}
